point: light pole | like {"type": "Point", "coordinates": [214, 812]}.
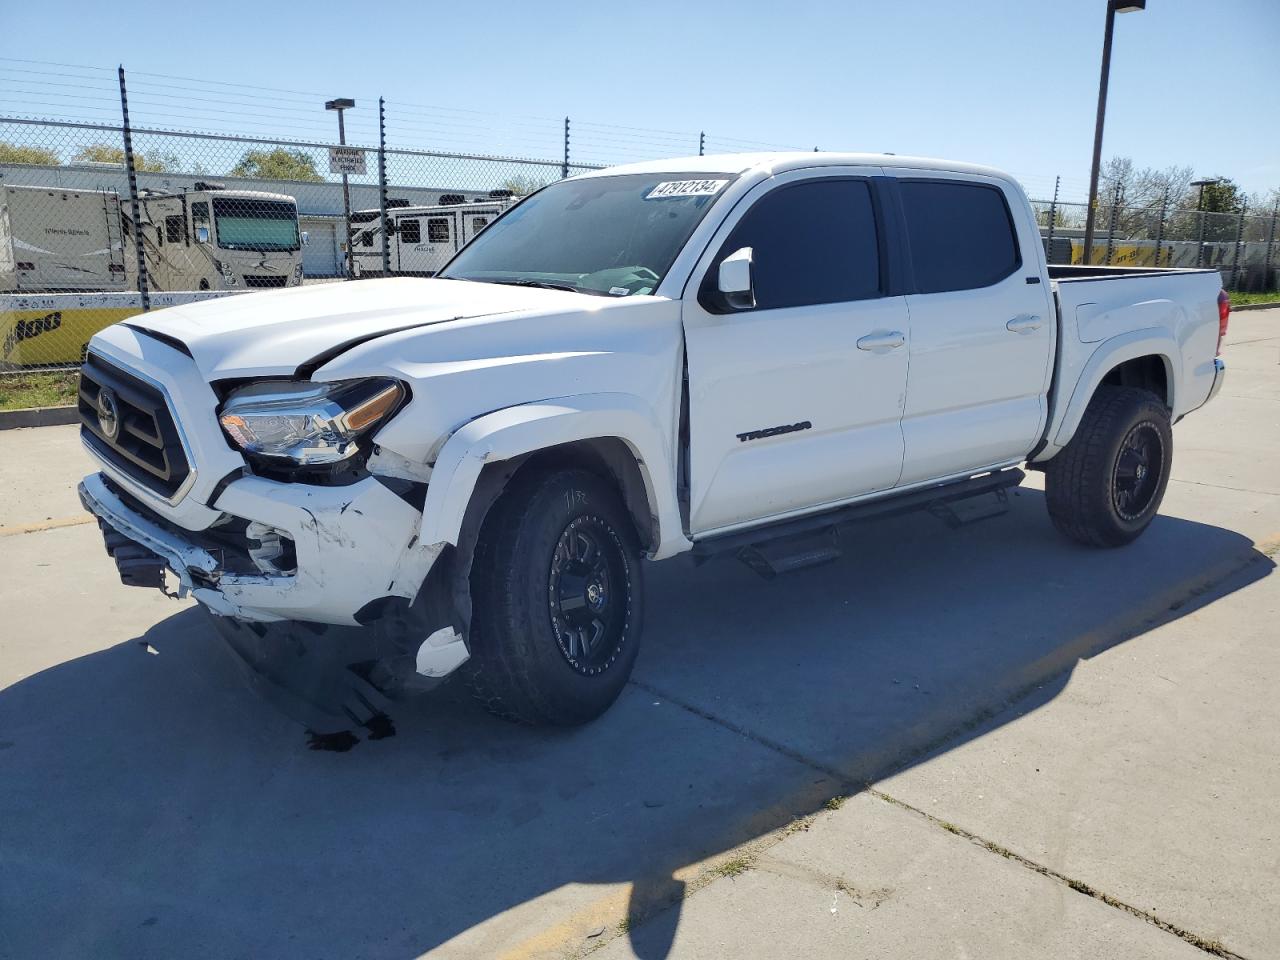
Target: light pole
{"type": "Point", "coordinates": [1113, 7]}
{"type": "Point", "coordinates": [1200, 212]}
{"type": "Point", "coordinates": [1202, 184]}
{"type": "Point", "coordinates": [344, 103]}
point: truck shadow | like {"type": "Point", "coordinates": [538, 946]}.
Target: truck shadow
{"type": "Point", "coordinates": [153, 807]}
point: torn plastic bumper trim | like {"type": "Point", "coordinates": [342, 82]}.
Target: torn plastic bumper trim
{"type": "Point", "coordinates": [181, 557]}
{"type": "Point", "coordinates": [353, 545]}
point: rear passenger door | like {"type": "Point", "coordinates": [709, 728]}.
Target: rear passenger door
{"type": "Point", "coordinates": [982, 321]}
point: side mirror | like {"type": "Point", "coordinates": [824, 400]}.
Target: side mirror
{"type": "Point", "coordinates": [304, 238]}
{"type": "Point", "coordinates": [202, 234]}
{"type": "Point", "coordinates": [735, 280]}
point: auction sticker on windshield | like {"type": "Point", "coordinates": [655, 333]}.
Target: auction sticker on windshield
{"type": "Point", "coordinates": [685, 188]}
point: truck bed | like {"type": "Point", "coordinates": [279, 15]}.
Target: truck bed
{"type": "Point", "coordinates": [1067, 272]}
{"type": "Point", "coordinates": [1107, 314]}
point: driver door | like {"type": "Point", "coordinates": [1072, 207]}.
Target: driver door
{"type": "Point", "coordinates": [797, 403]}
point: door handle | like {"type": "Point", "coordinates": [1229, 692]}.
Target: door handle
{"type": "Point", "coordinates": [1024, 324]}
{"type": "Point", "coordinates": [882, 342]}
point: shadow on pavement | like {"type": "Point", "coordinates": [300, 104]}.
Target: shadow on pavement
{"type": "Point", "coordinates": [151, 807]}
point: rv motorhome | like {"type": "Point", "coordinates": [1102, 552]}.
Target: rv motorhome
{"type": "Point", "coordinates": [55, 240]}
{"type": "Point", "coordinates": [423, 239]}
{"type": "Point", "coordinates": [211, 238]}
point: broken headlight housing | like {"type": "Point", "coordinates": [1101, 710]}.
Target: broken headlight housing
{"type": "Point", "coordinates": [301, 430]}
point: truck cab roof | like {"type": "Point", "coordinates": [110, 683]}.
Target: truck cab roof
{"type": "Point", "coordinates": [772, 163]}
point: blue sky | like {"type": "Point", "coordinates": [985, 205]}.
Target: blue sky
{"type": "Point", "coordinates": [1007, 82]}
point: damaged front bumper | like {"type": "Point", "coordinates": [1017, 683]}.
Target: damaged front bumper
{"type": "Point", "coordinates": [351, 548]}
{"type": "Point", "coordinates": [355, 553]}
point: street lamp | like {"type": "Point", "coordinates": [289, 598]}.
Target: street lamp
{"type": "Point", "coordinates": [1113, 7]}
{"type": "Point", "coordinates": [344, 103]}
{"type": "Point", "coordinates": [1200, 211]}
{"type": "Point", "coordinates": [1202, 184]}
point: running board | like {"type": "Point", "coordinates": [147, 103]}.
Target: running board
{"type": "Point", "coordinates": [812, 539]}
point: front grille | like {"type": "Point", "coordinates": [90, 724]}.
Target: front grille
{"type": "Point", "coordinates": [265, 281]}
{"type": "Point", "coordinates": [145, 445]}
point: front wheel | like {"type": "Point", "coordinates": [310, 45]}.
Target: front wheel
{"type": "Point", "coordinates": [1104, 488]}
{"type": "Point", "coordinates": [557, 594]}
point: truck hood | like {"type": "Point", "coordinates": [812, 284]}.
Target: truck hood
{"type": "Point", "coordinates": [286, 331]}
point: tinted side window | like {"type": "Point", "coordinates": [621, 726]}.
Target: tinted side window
{"type": "Point", "coordinates": [961, 234]}
{"type": "Point", "coordinates": [173, 229]}
{"type": "Point", "coordinates": [410, 232]}
{"type": "Point", "coordinates": [811, 243]}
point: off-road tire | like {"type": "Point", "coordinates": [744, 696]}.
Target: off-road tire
{"type": "Point", "coordinates": [523, 665]}
{"type": "Point", "coordinates": [1085, 484]}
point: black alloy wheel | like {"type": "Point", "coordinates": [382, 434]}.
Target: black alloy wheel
{"type": "Point", "coordinates": [589, 596]}
{"type": "Point", "coordinates": [1138, 470]}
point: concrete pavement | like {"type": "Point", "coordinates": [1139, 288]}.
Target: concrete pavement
{"type": "Point", "coordinates": [1069, 753]}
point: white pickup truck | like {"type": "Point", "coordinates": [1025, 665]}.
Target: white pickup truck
{"type": "Point", "coordinates": [738, 353]}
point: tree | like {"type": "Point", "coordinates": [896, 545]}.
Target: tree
{"type": "Point", "coordinates": [105, 153]}
{"type": "Point", "coordinates": [1225, 196]}
{"type": "Point", "coordinates": [1142, 194]}
{"type": "Point", "coordinates": [522, 185]}
{"type": "Point", "coordinates": [1226, 199]}
{"type": "Point", "coordinates": [277, 164]}
{"type": "Point", "coordinates": [36, 156]}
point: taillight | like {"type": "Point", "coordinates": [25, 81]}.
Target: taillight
{"type": "Point", "coordinates": [24, 265]}
{"type": "Point", "coordinates": [1224, 313]}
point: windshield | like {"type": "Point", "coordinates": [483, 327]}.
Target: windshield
{"type": "Point", "coordinates": [244, 223]}
{"type": "Point", "coordinates": [616, 236]}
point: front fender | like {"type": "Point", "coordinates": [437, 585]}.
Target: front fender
{"type": "Point", "coordinates": [1152, 341]}
{"type": "Point", "coordinates": [530, 427]}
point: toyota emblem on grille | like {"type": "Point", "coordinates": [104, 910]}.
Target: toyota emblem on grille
{"type": "Point", "coordinates": [108, 413]}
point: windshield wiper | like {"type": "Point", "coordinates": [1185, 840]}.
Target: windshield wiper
{"type": "Point", "coordinates": [544, 284]}
{"type": "Point", "coordinates": [549, 286]}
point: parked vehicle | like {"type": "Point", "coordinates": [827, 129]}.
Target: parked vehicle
{"type": "Point", "coordinates": [61, 240]}
{"type": "Point", "coordinates": [727, 354]}
{"type": "Point", "coordinates": [211, 238]}
{"type": "Point", "coordinates": [422, 239]}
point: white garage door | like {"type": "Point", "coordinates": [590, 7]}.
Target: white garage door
{"type": "Point", "coordinates": [320, 256]}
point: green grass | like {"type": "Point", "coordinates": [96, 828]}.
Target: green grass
{"type": "Point", "coordinates": [21, 390]}
{"type": "Point", "coordinates": [1238, 298]}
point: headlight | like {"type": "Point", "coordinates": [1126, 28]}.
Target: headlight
{"type": "Point", "coordinates": [228, 276]}
{"type": "Point", "coordinates": [307, 423]}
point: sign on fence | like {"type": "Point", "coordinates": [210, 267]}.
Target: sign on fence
{"type": "Point", "coordinates": [346, 160]}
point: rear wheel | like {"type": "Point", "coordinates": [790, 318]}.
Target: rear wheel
{"type": "Point", "coordinates": [1106, 485]}
{"type": "Point", "coordinates": [557, 596]}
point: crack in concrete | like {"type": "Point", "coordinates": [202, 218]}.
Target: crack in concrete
{"type": "Point", "coordinates": [845, 785]}
{"type": "Point", "coordinates": [1223, 486]}
{"type": "Point", "coordinates": [1213, 947]}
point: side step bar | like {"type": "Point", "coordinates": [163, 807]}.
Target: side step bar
{"type": "Point", "coordinates": [814, 538]}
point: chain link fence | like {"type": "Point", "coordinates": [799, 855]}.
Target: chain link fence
{"type": "Point", "coordinates": [1243, 247]}
{"type": "Point", "coordinates": [106, 217]}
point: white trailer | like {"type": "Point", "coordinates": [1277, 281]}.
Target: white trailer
{"type": "Point", "coordinates": [61, 240]}
{"type": "Point", "coordinates": [423, 239]}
